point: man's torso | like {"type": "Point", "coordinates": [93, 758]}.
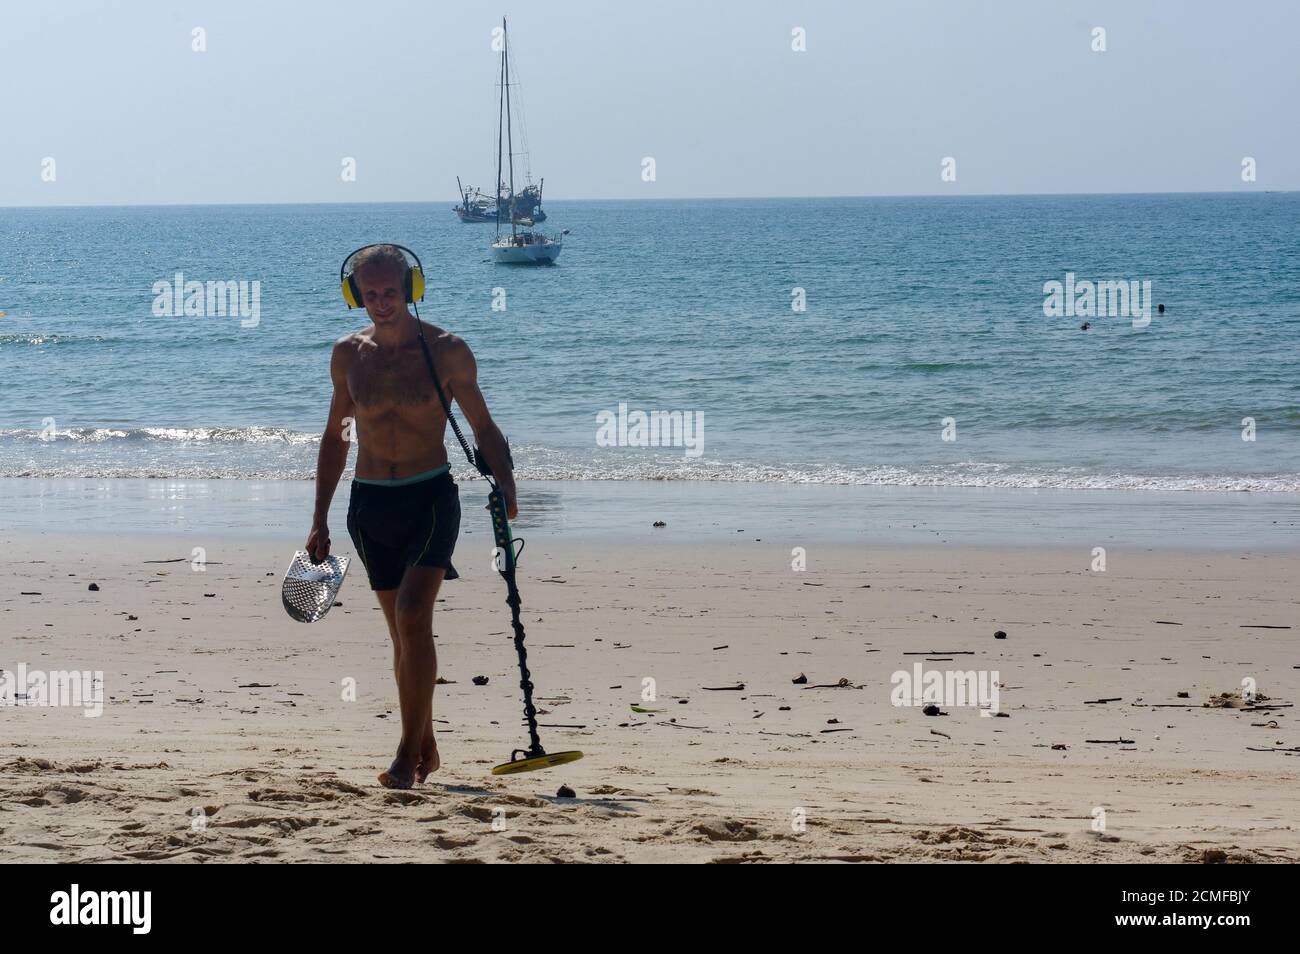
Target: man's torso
{"type": "Point", "coordinates": [399, 419]}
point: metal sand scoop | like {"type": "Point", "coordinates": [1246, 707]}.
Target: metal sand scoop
{"type": "Point", "coordinates": [309, 588]}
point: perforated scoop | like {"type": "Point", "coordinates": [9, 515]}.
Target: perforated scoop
{"type": "Point", "coordinates": [309, 588]}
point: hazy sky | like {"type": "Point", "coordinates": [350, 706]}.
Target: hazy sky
{"type": "Point", "coordinates": [1011, 89]}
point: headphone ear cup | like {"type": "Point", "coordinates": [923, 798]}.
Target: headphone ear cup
{"type": "Point", "coordinates": [415, 284]}
{"type": "Point", "coordinates": [351, 294]}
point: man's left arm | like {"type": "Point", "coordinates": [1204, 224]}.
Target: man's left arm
{"type": "Point", "coordinates": [491, 442]}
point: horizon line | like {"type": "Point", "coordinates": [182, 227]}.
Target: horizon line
{"type": "Point", "coordinates": [712, 198]}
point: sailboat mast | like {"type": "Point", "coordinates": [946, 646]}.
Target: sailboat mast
{"type": "Point", "coordinates": [510, 139]}
{"type": "Point", "coordinates": [496, 198]}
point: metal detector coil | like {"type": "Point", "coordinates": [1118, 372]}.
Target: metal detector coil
{"type": "Point", "coordinates": [521, 761]}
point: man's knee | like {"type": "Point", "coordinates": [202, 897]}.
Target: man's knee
{"type": "Point", "coordinates": [414, 621]}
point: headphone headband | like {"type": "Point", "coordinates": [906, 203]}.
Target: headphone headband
{"type": "Point", "coordinates": [413, 282]}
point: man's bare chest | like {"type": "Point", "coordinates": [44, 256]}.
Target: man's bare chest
{"type": "Point", "coordinates": [377, 381]}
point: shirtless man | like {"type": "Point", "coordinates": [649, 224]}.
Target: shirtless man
{"type": "Point", "coordinates": [404, 513]}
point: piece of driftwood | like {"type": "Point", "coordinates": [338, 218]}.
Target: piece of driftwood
{"type": "Point", "coordinates": [842, 684]}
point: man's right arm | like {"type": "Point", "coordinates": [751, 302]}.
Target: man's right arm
{"type": "Point", "coordinates": [333, 456]}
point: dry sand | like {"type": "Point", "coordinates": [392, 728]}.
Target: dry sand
{"type": "Point", "coordinates": [225, 734]}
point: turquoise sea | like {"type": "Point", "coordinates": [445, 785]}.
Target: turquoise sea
{"type": "Point", "coordinates": [917, 310]}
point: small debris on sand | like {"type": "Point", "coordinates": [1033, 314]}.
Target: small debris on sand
{"type": "Point", "coordinates": [1000, 634]}
{"type": "Point", "coordinates": [800, 680]}
{"type": "Point", "coordinates": [566, 792]}
{"type": "Point", "coordinates": [94, 587]}
{"type": "Point", "coordinates": [480, 680]}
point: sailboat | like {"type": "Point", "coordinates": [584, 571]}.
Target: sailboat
{"type": "Point", "coordinates": [521, 246]}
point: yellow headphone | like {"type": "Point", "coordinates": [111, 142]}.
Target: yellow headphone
{"type": "Point", "coordinates": [412, 284]}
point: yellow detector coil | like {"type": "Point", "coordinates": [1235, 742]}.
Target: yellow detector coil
{"type": "Point", "coordinates": [514, 766]}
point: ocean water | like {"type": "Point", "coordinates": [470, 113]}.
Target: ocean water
{"type": "Point", "coordinates": [917, 310]}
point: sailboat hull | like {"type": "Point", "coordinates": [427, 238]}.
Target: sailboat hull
{"type": "Point", "coordinates": [531, 254]}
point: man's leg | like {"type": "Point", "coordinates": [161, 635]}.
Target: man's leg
{"type": "Point", "coordinates": [415, 665]}
{"type": "Point", "coordinates": [388, 603]}
{"type": "Point", "coordinates": [428, 750]}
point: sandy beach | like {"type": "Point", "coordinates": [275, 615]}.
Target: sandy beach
{"type": "Point", "coordinates": [227, 735]}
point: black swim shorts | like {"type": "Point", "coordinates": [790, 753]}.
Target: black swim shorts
{"type": "Point", "coordinates": [412, 522]}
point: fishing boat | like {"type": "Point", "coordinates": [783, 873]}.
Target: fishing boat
{"type": "Point", "coordinates": [477, 206]}
{"type": "Point", "coordinates": [521, 246]}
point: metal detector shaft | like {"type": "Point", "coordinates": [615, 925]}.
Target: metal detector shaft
{"type": "Point", "coordinates": [506, 565]}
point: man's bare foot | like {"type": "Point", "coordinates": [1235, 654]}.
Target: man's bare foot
{"type": "Point", "coordinates": [429, 760]}
{"type": "Point", "coordinates": [401, 774]}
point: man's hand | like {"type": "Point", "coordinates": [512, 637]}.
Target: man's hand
{"type": "Point", "coordinates": [318, 542]}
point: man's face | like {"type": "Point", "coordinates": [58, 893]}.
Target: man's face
{"type": "Point", "coordinates": [382, 293]}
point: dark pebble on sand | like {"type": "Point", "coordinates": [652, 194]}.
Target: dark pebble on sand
{"type": "Point", "coordinates": [480, 680]}
{"type": "Point", "coordinates": [799, 680]}
{"type": "Point", "coordinates": [566, 792]}
{"type": "Point", "coordinates": [933, 710]}
{"type": "Point", "coordinates": [1000, 634]}
{"type": "Point", "coordinates": [660, 523]}
{"type": "Point", "coordinates": [94, 587]}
